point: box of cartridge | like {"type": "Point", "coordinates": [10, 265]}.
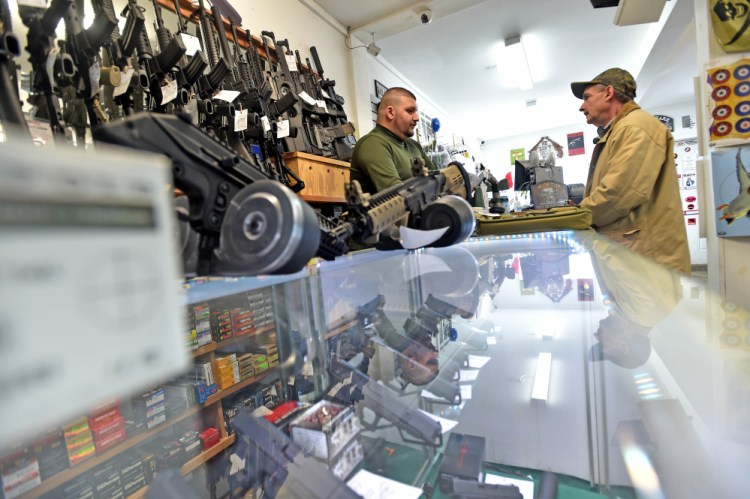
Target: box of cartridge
{"type": "Point", "coordinates": [108, 427]}
{"type": "Point", "coordinates": [221, 325]}
{"type": "Point", "coordinates": [106, 480]}
{"type": "Point", "coordinates": [77, 488]}
{"type": "Point", "coordinates": [325, 428]}
{"type": "Point", "coordinates": [191, 444]}
{"type": "Point", "coordinates": [19, 473]}
{"type": "Point", "coordinates": [132, 475]}
{"type": "Point", "coordinates": [110, 440]}
{"type": "Point", "coordinates": [343, 463]}
{"type": "Point", "coordinates": [52, 454]}
{"type": "Point", "coordinates": [79, 441]}
{"type": "Point", "coordinates": [209, 437]}
{"type": "Point", "coordinates": [226, 360]}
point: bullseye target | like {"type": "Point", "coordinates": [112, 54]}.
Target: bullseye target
{"type": "Point", "coordinates": [721, 93]}
{"type": "Point", "coordinates": [742, 72]}
{"type": "Point", "coordinates": [720, 76]}
{"type": "Point", "coordinates": [743, 125]}
{"type": "Point", "coordinates": [731, 324]}
{"type": "Point", "coordinates": [731, 339]}
{"type": "Point", "coordinates": [742, 89]}
{"type": "Point", "coordinates": [743, 108]}
{"type": "Point", "coordinates": [722, 129]}
{"type": "Point", "coordinates": [722, 112]}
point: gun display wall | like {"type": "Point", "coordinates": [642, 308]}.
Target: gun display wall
{"type": "Point", "coordinates": [224, 106]}
{"type": "Point", "coordinates": [257, 95]}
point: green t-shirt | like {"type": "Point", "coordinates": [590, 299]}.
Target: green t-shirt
{"type": "Point", "coordinates": [380, 159]}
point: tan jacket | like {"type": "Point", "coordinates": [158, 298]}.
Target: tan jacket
{"type": "Point", "coordinates": [633, 192]}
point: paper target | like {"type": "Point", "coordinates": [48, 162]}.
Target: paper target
{"type": "Point", "coordinates": [722, 112]}
{"type": "Point", "coordinates": [730, 96]}
{"type": "Point", "coordinates": [721, 76]}
{"type": "Point", "coordinates": [722, 129]}
{"type": "Point", "coordinates": [742, 89]}
{"type": "Point", "coordinates": [743, 108]}
{"type": "Point", "coordinates": [721, 93]}
{"type": "Point", "coordinates": [742, 72]}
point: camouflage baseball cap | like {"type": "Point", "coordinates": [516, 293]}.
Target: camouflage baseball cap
{"type": "Point", "coordinates": [620, 79]}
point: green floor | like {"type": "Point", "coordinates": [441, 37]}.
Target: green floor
{"type": "Point", "coordinates": [402, 463]}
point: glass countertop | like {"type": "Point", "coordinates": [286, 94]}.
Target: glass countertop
{"type": "Point", "coordinates": [558, 364]}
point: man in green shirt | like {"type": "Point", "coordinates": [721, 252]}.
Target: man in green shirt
{"type": "Point", "coordinates": [383, 157]}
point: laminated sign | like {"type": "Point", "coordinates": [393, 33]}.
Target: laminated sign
{"type": "Point", "coordinates": [730, 96]}
{"type": "Point", "coordinates": [731, 22]}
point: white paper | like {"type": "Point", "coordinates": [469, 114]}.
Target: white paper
{"type": "Point", "coordinates": [413, 238]}
{"type": "Point", "coordinates": [372, 486]}
{"type": "Point", "coordinates": [240, 120]}
{"type": "Point", "coordinates": [525, 487]}
{"type": "Point", "coordinates": [477, 361]}
{"type": "Point", "coordinates": [322, 104]}
{"type": "Point", "coordinates": [491, 340]}
{"type": "Point", "coordinates": [468, 374]}
{"type": "Point", "coordinates": [192, 43]}
{"type": "Point", "coordinates": [33, 3]}
{"type": "Point", "coordinates": [265, 123]}
{"type": "Point", "coordinates": [445, 424]}
{"type": "Point", "coordinates": [305, 97]}
{"type": "Point", "coordinates": [282, 129]}
{"type": "Point", "coordinates": [125, 77]}
{"type": "Point", "coordinates": [168, 92]}
{"type": "Point", "coordinates": [466, 392]}
{"type": "Point", "coordinates": [227, 95]}
{"type": "Point", "coordinates": [291, 61]}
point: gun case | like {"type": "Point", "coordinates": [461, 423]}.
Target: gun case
{"type": "Point", "coordinates": [520, 222]}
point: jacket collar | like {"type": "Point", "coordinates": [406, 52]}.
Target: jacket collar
{"type": "Point", "coordinates": [626, 109]}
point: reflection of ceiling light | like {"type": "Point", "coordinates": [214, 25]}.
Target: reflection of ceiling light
{"type": "Point", "coordinates": [541, 379]}
{"type": "Point", "coordinates": [518, 64]}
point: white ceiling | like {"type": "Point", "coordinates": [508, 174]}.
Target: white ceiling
{"type": "Point", "coordinates": [452, 59]}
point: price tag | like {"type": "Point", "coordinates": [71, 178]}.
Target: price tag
{"type": "Point", "coordinates": [192, 43]}
{"type": "Point", "coordinates": [227, 95]}
{"type": "Point", "coordinates": [291, 61]}
{"type": "Point", "coordinates": [125, 77]}
{"type": "Point", "coordinates": [265, 123]}
{"type": "Point", "coordinates": [240, 120]}
{"type": "Point", "coordinates": [321, 103]}
{"type": "Point", "coordinates": [282, 129]}
{"type": "Point", "coordinates": [33, 3]}
{"type": "Point", "coordinates": [305, 97]}
{"type": "Point", "coordinates": [168, 91]}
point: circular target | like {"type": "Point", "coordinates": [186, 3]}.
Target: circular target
{"type": "Point", "coordinates": [743, 126]}
{"type": "Point", "coordinates": [721, 93]}
{"type": "Point", "coordinates": [731, 324]}
{"type": "Point", "coordinates": [722, 112]}
{"type": "Point", "coordinates": [731, 339]}
{"type": "Point", "coordinates": [742, 72]}
{"type": "Point", "coordinates": [742, 89]}
{"type": "Point", "coordinates": [723, 128]}
{"type": "Point", "coordinates": [729, 306]}
{"type": "Point", "coordinates": [267, 229]}
{"type": "Point", "coordinates": [720, 76]}
{"type": "Point", "coordinates": [743, 108]}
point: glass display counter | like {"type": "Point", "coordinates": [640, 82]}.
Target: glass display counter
{"type": "Point", "coordinates": [547, 365]}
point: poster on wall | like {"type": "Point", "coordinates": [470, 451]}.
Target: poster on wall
{"type": "Point", "coordinates": [575, 144]}
{"type": "Point", "coordinates": [517, 154]}
{"type": "Point", "coordinates": [731, 191]}
{"type": "Point", "coordinates": [730, 101]}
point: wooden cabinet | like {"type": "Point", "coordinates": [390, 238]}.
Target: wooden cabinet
{"type": "Point", "coordinates": [325, 178]}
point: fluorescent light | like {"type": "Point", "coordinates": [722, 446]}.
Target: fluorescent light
{"type": "Point", "coordinates": [518, 64]}
{"type": "Point", "coordinates": [541, 379]}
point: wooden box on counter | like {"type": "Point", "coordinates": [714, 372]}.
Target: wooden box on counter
{"type": "Point", "coordinates": [324, 178]}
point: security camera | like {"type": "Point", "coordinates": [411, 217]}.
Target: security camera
{"type": "Point", "coordinates": [425, 16]}
{"type": "Point", "coordinates": [373, 49]}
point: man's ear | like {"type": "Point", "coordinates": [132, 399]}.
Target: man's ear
{"type": "Point", "coordinates": [389, 112]}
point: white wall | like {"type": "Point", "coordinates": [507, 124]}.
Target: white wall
{"type": "Point", "coordinates": [496, 153]}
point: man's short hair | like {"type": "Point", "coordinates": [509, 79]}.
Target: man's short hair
{"type": "Point", "coordinates": [397, 92]}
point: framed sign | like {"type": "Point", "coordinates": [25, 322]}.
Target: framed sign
{"type": "Point", "coordinates": [379, 89]}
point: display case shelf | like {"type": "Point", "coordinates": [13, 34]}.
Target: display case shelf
{"type": "Point", "coordinates": [194, 463]}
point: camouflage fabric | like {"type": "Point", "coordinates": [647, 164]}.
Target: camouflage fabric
{"type": "Point", "coordinates": [620, 79]}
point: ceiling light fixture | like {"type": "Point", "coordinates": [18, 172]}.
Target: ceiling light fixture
{"type": "Point", "coordinates": [540, 390]}
{"type": "Point", "coordinates": [518, 64]}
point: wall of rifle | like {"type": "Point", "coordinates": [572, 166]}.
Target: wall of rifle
{"type": "Point", "coordinates": [254, 94]}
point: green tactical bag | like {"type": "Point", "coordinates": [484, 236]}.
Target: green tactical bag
{"type": "Point", "coordinates": [521, 222]}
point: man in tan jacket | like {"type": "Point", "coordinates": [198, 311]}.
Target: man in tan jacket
{"type": "Point", "coordinates": [632, 189]}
